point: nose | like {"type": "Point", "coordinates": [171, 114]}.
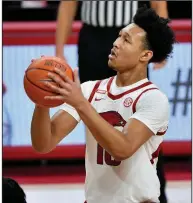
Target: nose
{"type": "Point", "coordinates": [116, 43]}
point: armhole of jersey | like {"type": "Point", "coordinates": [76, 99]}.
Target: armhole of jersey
{"type": "Point", "coordinates": [162, 132]}
{"type": "Point", "coordinates": [94, 90]}
{"type": "Point", "coordinates": [135, 103]}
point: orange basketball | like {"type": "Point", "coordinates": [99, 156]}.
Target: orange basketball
{"type": "Point", "coordinates": [37, 73]}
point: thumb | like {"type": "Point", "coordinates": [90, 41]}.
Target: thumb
{"type": "Point", "coordinates": [76, 76]}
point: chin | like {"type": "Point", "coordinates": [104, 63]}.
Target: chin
{"type": "Point", "coordinates": [111, 65]}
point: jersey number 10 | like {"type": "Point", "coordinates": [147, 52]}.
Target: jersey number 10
{"type": "Point", "coordinates": [107, 158]}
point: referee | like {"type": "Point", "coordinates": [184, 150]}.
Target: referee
{"type": "Point", "coordinates": [102, 21]}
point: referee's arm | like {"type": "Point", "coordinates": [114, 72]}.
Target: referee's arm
{"type": "Point", "coordinates": [160, 7]}
{"type": "Point", "coordinates": [66, 14]}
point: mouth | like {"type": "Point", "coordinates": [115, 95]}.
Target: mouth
{"type": "Point", "coordinates": [112, 54]}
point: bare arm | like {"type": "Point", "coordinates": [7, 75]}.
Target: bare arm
{"type": "Point", "coordinates": [66, 13]}
{"type": "Point", "coordinates": [46, 133]}
{"type": "Point", "coordinates": [160, 7]}
{"type": "Point", "coordinates": [151, 115]}
{"type": "Point", "coordinates": [120, 145]}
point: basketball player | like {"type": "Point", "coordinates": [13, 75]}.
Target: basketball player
{"type": "Point", "coordinates": [126, 115]}
{"type": "Point", "coordinates": [101, 23]}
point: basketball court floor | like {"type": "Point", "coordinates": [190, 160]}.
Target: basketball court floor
{"type": "Point", "coordinates": [177, 192]}
{"type": "Point", "coordinates": [65, 184]}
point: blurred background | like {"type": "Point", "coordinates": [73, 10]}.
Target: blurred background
{"type": "Point", "coordinates": [29, 32]}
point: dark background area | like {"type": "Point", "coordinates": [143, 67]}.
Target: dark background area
{"type": "Point", "coordinates": [12, 11]}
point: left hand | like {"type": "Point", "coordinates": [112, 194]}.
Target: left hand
{"type": "Point", "coordinates": [160, 65]}
{"type": "Point", "coordinates": [69, 91]}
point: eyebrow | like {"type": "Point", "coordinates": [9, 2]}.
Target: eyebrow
{"type": "Point", "coordinates": [128, 35]}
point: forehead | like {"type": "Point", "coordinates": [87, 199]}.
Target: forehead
{"type": "Point", "coordinates": [133, 30]}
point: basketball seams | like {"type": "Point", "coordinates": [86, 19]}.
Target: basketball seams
{"type": "Point", "coordinates": [37, 85]}
{"type": "Point", "coordinates": [43, 92]}
{"type": "Point", "coordinates": [37, 73]}
{"type": "Point", "coordinates": [40, 69]}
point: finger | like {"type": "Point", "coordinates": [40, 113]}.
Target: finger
{"type": "Point", "coordinates": [63, 76]}
{"type": "Point", "coordinates": [61, 56]}
{"type": "Point", "coordinates": [60, 82]}
{"type": "Point", "coordinates": [52, 87]}
{"type": "Point", "coordinates": [56, 89]}
{"type": "Point", "coordinates": [76, 77]}
{"type": "Point", "coordinates": [156, 66]}
{"type": "Point", "coordinates": [36, 59]}
{"type": "Point", "coordinates": [54, 98]}
{"type": "Point", "coordinates": [57, 79]}
{"type": "Point", "coordinates": [159, 65]}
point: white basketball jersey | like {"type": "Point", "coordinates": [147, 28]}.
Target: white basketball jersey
{"type": "Point", "coordinates": [133, 180]}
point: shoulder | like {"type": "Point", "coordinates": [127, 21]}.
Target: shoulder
{"type": "Point", "coordinates": [152, 109]}
{"type": "Point", "coordinates": [154, 95]}
{"type": "Point", "coordinates": [89, 86]}
{"type": "Point", "coordinates": [153, 99]}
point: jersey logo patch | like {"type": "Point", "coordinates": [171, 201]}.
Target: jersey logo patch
{"type": "Point", "coordinates": [101, 91]}
{"type": "Point", "coordinates": [128, 101]}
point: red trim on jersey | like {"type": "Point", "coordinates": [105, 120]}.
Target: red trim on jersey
{"type": "Point", "coordinates": [136, 100]}
{"type": "Point", "coordinates": [161, 133]}
{"type": "Point", "coordinates": [155, 154]}
{"type": "Point", "coordinates": [114, 97]}
{"type": "Point", "coordinates": [94, 90]}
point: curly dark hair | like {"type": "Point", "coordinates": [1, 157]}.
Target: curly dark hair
{"type": "Point", "coordinates": [159, 35]}
{"type": "Point", "coordinates": [12, 191]}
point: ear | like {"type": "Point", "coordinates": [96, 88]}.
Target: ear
{"type": "Point", "coordinates": [146, 55]}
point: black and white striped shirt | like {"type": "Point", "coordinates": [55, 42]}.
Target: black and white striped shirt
{"type": "Point", "coordinates": [108, 13]}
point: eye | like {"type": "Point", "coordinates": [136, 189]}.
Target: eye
{"type": "Point", "coordinates": [126, 40]}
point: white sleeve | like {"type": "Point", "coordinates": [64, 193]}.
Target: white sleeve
{"type": "Point", "coordinates": [86, 88]}
{"type": "Point", "coordinates": [152, 109]}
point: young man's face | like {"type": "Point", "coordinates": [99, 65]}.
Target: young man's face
{"type": "Point", "coordinates": [127, 49]}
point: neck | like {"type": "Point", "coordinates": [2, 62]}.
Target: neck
{"type": "Point", "coordinates": [131, 76]}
